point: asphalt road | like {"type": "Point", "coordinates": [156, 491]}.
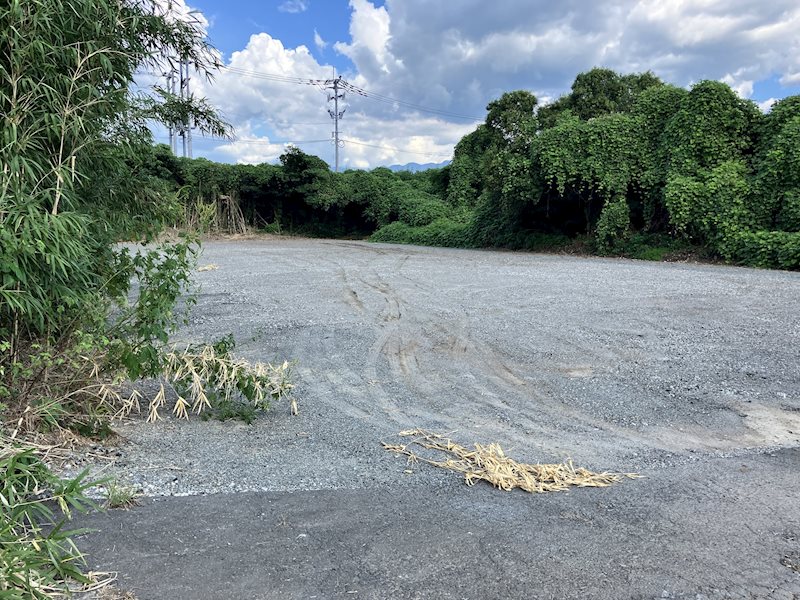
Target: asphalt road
{"type": "Point", "coordinates": [687, 374]}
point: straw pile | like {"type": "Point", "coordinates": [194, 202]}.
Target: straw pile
{"type": "Point", "coordinates": [489, 463]}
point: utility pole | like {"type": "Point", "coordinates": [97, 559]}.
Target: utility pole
{"type": "Point", "coordinates": [178, 85]}
{"type": "Point", "coordinates": [336, 114]}
{"type": "Point", "coordinates": [185, 94]}
{"type": "Point", "coordinates": [173, 134]}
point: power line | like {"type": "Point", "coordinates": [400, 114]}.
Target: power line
{"type": "Point", "coordinates": [285, 124]}
{"type": "Point", "coordinates": [272, 76]}
{"type": "Point", "coordinates": [353, 88]}
{"type": "Point", "coordinates": [255, 140]}
{"type": "Point", "coordinates": [266, 142]}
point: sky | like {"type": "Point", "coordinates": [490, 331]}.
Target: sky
{"type": "Point", "coordinates": [429, 67]}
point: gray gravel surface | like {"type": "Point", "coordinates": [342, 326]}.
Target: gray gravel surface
{"type": "Point", "coordinates": [685, 373]}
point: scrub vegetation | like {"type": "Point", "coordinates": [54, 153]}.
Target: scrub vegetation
{"type": "Point", "coordinates": [81, 315]}
{"type": "Point", "coordinates": [622, 165]}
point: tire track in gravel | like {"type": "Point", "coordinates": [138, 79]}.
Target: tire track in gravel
{"type": "Point", "coordinates": [421, 350]}
{"type": "Point", "coordinates": [413, 343]}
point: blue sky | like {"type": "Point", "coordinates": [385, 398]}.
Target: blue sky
{"type": "Point", "coordinates": [455, 56]}
{"type": "Point", "coordinates": [232, 23]}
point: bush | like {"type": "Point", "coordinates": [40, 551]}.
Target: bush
{"type": "Point", "coordinates": [654, 246]}
{"type": "Point", "coordinates": [418, 210]}
{"type": "Point", "coordinates": [38, 555]}
{"type": "Point", "coordinates": [441, 232]}
{"type": "Point", "coordinates": [769, 249]}
{"type": "Point", "coordinates": [393, 233]}
{"type": "Point", "coordinates": [788, 218]}
{"type": "Point", "coordinates": [613, 226]}
{"type": "Point", "coordinates": [541, 242]}
{"type": "Point", "coordinates": [273, 228]}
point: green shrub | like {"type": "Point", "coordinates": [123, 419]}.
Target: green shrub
{"type": "Point", "coordinates": [273, 228]}
{"type": "Point", "coordinates": [788, 218]}
{"type": "Point", "coordinates": [654, 246]}
{"type": "Point", "coordinates": [418, 210]}
{"type": "Point", "coordinates": [441, 232]}
{"type": "Point", "coordinates": [541, 242]}
{"type": "Point", "coordinates": [770, 249]}
{"type": "Point", "coordinates": [38, 557]}
{"type": "Point", "coordinates": [614, 225]}
{"type": "Point", "coordinates": [393, 233]}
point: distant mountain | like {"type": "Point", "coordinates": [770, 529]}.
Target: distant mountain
{"type": "Point", "coordinates": [415, 167]}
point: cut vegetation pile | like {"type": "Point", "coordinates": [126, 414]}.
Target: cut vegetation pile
{"type": "Point", "coordinates": [489, 463]}
{"type": "Point", "coordinates": [208, 378]}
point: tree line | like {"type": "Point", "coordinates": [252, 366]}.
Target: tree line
{"type": "Point", "coordinates": [622, 164]}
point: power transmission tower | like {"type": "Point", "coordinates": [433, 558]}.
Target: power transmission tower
{"type": "Point", "coordinates": [336, 114]}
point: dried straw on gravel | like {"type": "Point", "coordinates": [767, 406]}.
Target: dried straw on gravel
{"type": "Point", "coordinates": [489, 463]}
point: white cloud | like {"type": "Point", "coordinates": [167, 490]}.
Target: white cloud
{"type": "Point", "coordinates": [370, 35]}
{"type": "Point", "coordinates": [743, 87]}
{"type": "Point", "coordinates": [293, 6]}
{"type": "Point", "coordinates": [457, 56]}
{"type": "Point", "coordinates": [766, 105]}
{"type": "Point", "coordinates": [791, 78]}
{"type": "Point", "coordinates": [293, 112]}
{"type": "Point", "coordinates": [319, 42]}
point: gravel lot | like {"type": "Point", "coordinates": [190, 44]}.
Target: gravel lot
{"type": "Point", "coordinates": [679, 371]}
{"type": "Point", "coordinates": [621, 365]}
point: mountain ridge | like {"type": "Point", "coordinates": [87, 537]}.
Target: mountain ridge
{"type": "Point", "coordinates": [416, 167]}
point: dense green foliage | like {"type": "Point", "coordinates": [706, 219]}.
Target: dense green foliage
{"type": "Point", "coordinates": [37, 552]}
{"type": "Point", "coordinates": [74, 137]}
{"type": "Point", "coordinates": [623, 164]}
{"type": "Point", "coordinates": [75, 151]}
{"type": "Point", "coordinates": [302, 195]}
{"type": "Point", "coordinates": [76, 179]}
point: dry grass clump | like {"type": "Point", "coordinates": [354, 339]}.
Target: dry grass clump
{"type": "Point", "coordinates": [121, 495]}
{"type": "Point", "coordinates": [84, 394]}
{"type": "Point", "coordinates": [205, 377]}
{"type": "Point", "coordinates": [489, 463]}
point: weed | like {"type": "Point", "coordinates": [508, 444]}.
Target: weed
{"type": "Point", "coordinates": [92, 427]}
{"type": "Point", "coordinates": [120, 495]}
{"type": "Point", "coordinates": [38, 557]}
{"type": "Point", "coordinates": [207, 378]}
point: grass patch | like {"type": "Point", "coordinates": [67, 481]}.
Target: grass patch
{"type": "Point", "coordinates": [657, 247]}
{"type": "Point", "coordinates": [120, 495]}
{"type": "Point", "coordinates": [38, 558]}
